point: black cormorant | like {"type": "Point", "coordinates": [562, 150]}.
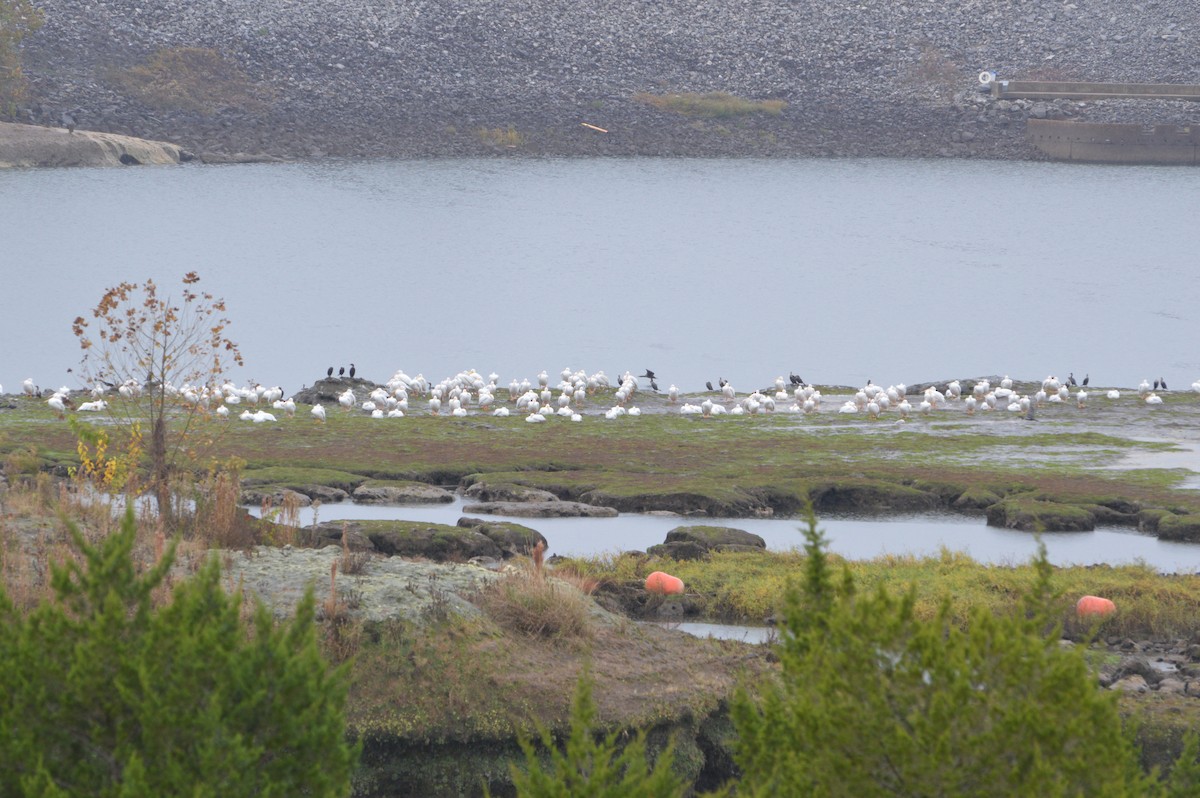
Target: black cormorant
{"type": "Point", "coordinates": [341, 371]}
{"type": "Point", "coordinates": [1163, 380]}
{"type": "Point", "coordinates": [1071, 378]}
{"type": "Point", "coordinates": [351, 371]}
{"type": "Point", "coordinates": [653, 384]}
{"type": "Point", "coordinates": [708, 385]}
{"type": "Point", "coordinates": [1086, 377]}
{"type": "Point", "coordinates": [648, 375]}
{"type": "Point", "coordinates": [329, 373]}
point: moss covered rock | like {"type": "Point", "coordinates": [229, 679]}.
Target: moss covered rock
{"type": "Point", "coordinates": [714, 537]}
{"type": "Point", "coordinates": [437, 542]}
{"type": "Point", "coordinates": [1179, 527]}
{"type": "Point", "coordinates": [1031, 515]}
{"type": "Point", "coordinates": [513, 539]}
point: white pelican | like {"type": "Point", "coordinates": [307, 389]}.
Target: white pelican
{"type": "Point", "coordinates": [1154, 399]}
{"type": "Point", "coordinates": [223, 411]}
{"type": "Point", "coordinates": [970, 403]}
{"type": "Point", "coordinates": [57, 405]}
{"type": "Point", "coordinates": [501, 412]}
{"type": "Point", "coordinates": [28, 387]}
{"type": "Point", "coordinates": [1080, 398]}
{"type": "Point", "coordinates": [1143, 389]}
{"type": "Point", "coordinates": [435, 406]}
{"type": "Point", "coordinates": [576, 417]}
{"type": "Point", "coordinates": [706, 407]}
{"type": "Point", "coordinates": [1113, 393]}
{"type": "Point", "coordinates": [535, 418]}
{"type": "Point", "coordinates": [672, 394]}
{"type": "Point", "coordinates": [318, 412]}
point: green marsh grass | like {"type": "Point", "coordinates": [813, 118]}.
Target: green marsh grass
{"type": "Point", "coordinates": [751, 586]}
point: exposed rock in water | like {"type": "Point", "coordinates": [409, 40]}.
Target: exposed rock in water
{"type": "Point", "coordinates": [507, 492]}
{"type": "Point", "coordinates": [437, 542]}
{"type": "Point", "coordinates": [33, 145]}
{"type": "Point", "coordinates": [548, 509]}
{"type": "Point", "coordinates": [697, 542]}
{"type": "Point", "coordinates": [411, 493]}
{"type": "Point", "coordinates": [513, 539]}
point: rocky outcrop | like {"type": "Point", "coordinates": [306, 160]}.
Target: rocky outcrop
{"type": "Point", "coordinates": [32, 145]}
{"type": "Point", "coordinates": [552, 509]}
{"type": "Point", "coordinates": [436, 542]}
{"type": "Point", "coordinates": [507, 492]}
{"type": "Point", "coordinates": [356, 77]}
{"type": "Point", "coordinates": [401, 493]}
{"type": "Point", "coordinates": [697, 542]}
{"type": "Point", "coordinates": [327, 391]}
{"type": "Point", "coordinates": [513, 539]}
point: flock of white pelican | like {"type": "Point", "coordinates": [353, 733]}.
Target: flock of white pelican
{"type": "Point", "coordinates": [469, 392]}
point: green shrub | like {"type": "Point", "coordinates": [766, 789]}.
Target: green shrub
{"type": "Point", "coordinates": [873, 700]}
{"type": "Point", "coordinates": [18, 19]}
{"type": "Point", "coordinates": [588, 767]}
{"type": "Point", "coordinates": [107, 695]}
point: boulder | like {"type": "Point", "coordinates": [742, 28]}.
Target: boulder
{"type": "Point", "coordinates": [436, 542]}
{"type": "Point", "coordinates": [680, 550]}
{"type": "Point", "coordinates": [263, 494]}
{"type": "Point", "coordinates": [713, 537]}
{"type": "Point", "coordinates": [507, 492]}
{"type": "Point", "coordinates": [554, 509]}
{"type": "Point", "coordinates": [332, 533]}
{"type": "Point", "coordinates": [327, 391]}
{"type": "Point", "coordinates": [513, 539]}
{"type": "Point", "coordinates": [323, 493]}
{"type": "Point", "coordinates": [407, 493]}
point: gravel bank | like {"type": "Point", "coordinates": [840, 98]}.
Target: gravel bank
{"type": "Point", "coordinates": [368, 78]}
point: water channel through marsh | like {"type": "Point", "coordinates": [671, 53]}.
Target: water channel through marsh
{"type": "Point", "coordinates": [850, 536]}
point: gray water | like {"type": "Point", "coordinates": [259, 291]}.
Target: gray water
{"type": "Point", "coordinates": [840, 270]}
{"type": "Point", "coordinates": [855, 538]}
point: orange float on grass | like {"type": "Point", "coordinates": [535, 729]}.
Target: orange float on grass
{"type": "Point", "coordinates": [1089, 606]}
{"type": "Point", "coordinates": [658, 582]}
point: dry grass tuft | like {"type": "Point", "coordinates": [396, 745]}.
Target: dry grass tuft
{"type": "Point", "coordinates": [191, 79]}
{"type": "Point", "coordinates": [510, 138]}
{"type": "Point", "coordinates": [533, 603]}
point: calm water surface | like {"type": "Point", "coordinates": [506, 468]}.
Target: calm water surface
{"type": "Point", "coordinates": [841, 270]}
{"type": "Point", "coordinates": [854, 538]}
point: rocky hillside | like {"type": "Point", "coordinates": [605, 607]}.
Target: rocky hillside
{"type": "Point", "coordinates": [365, 77]}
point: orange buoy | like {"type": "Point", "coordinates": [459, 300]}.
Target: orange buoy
{"type": "Point", "coordinates": [1094, 605]}
{"type": "Point", "coordinates": [658, 582]}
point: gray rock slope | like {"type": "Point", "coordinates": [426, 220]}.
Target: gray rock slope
{"type": "Point", "coordinates": [376, 77]}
